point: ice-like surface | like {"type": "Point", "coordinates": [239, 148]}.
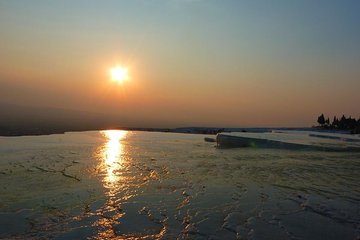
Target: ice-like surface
{"type": "Point", "coordinates": [291, 139]}
{"type": "Point", "coordinates": [139, 185]}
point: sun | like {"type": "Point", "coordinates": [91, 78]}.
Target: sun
{"type": "Point", "coordinates": [119, 74]}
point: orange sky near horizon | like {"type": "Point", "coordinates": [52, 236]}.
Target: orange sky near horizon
{"type": "Point", "coordinates": [185, 69]}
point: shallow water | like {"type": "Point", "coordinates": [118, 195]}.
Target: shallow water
{"type": "Point", "coordinates": [142, 185]}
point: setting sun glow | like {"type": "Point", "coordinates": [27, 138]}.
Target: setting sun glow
{"type": "Point", "coordinates": [119, 74]}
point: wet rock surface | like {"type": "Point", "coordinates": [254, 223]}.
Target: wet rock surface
{"type": "Point", "coordinates": [139, 185]}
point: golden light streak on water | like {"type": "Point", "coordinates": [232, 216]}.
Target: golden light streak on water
{"type": "Point", "coordinates": [112, 155]}
{"type": "Point", "coordinates": [122, 178]}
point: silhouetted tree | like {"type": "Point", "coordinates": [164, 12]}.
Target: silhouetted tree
{"type": "Point", "coordinates": [335, 123]}
{"type": "Point", "coordinates": [321, 120]}
{"type": "Point", "coordinates": [351, 123]}
{"type": "Point", "coordinates": [343, 123]}
{"type": "Point", "coordinates": [327, 122]}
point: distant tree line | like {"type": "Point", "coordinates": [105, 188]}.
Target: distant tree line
{"type": "Point", "coordinates": [344, 123]}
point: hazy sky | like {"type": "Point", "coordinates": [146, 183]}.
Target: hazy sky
{"type": "Point", "coordinates": [191, 62]}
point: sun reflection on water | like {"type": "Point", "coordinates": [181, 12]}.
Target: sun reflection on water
{"type": "Point", "coordinates": [123, 178]}
{"type": "Point", "coordinates": [112, 155]}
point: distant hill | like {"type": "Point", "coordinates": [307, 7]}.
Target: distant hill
{"type": "Point", "coordinates": [28, 120]}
